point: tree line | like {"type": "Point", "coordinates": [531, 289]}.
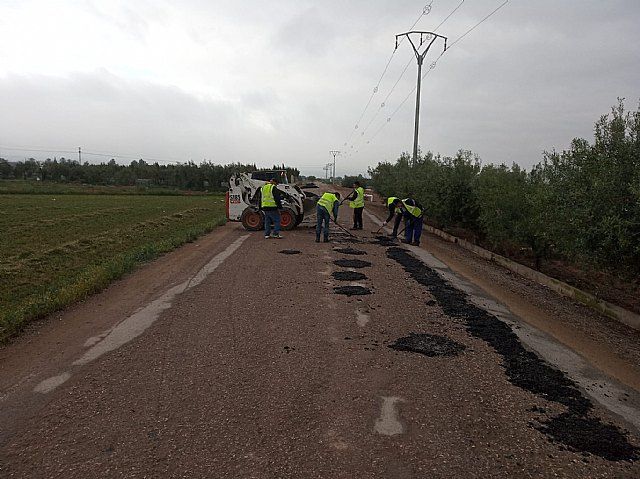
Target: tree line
{"type": "Point", "coordinates": [581, 204]}
{"type": "Point", "coordinates": [185, 176]}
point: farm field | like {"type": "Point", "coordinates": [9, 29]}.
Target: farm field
{"type": "Point", "coordinates": [57, 249]}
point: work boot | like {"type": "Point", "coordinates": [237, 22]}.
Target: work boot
{"type": "Point", "coordinates": [326, 239]}
{"type": "Point", "coordinates": [404, 241]}
{"type": "Point", "coordinates": [416, 243]}
{"type": "Point", "coordinates": [317, 239]}
{"type": "Point", "coordinates": [278, 236]}
{"type": "Point", "coordinates": [267, 236]}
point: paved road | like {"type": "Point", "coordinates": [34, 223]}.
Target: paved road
{"type": "Point", "coordinates": [229, 358]}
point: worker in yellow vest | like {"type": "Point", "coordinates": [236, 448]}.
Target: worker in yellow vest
{"type": "Point", "coordinates": [269, 200]}
{"type": "Point", "coordinates": [394, 205]}
{"type": "Point", "coordinates": [413, 214]}
{"type": "Point", "coordinates": [357, 203]}
{"type": "Point", "coordinates": [328, 204]}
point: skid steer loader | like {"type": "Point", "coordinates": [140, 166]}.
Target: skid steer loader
{"type": "Point", "coordinates": [243, 187]}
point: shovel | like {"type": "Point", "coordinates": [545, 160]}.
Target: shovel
{"type": "Point", "coordinates": [344, 229]}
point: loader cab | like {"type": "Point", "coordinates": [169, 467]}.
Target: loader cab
{"type": "Point", "coordinates": [280, 175]}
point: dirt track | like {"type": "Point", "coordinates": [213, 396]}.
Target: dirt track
{"type": "Point", "coordinates": [251, 364]}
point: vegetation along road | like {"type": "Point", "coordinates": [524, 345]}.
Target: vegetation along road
{"type": "Point", "coordinates": [59, 248]}
{"type": "Point", "coordinates": [236, 356]}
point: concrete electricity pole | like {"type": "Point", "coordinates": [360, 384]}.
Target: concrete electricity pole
{"type": "Point", "coordinates": [79, 155]}
{"type": "Point", "coordinates": [425, 38]}
{"type": "Point", "coordinates": [334, 153]}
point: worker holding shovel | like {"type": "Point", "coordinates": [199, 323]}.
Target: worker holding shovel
{"type": "Point", "coordinates": [328, 204]}
{"type": "Point", "coordinates": [269, 198]}
{"type": "Point", "coordinates": [357, 203]}
{"type": "Point", "coordinates": [413, 214]}
{"type": "Point", "coordinates": [395, 208]}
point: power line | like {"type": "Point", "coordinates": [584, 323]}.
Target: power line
{"type": "Point", "coordinates": [434, 63]}
{"type": "Point", "coordinates": [384, 102]}
{"type": "Point", "coordinates": [425, 11]}
{"type": "Point", "coordinates": [90, 153]}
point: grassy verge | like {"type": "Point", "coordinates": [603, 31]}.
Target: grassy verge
{"type": "Point", "coordinates": [31, 187]}
{"type": "Point", "coordinates": [62, 249]}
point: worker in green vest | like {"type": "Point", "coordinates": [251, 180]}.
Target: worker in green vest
{"type": "Point", "coordinates": [328, 205]}
{"type": "Point", "coordinates": [394, 205]}
{"type": "Point", "coordinates": [357, 203]}
{"type": "Point", "coordinates": [268, 197]}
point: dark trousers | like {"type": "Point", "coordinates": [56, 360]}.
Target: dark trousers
{"type": "Point", "coordinates": [412, 229]}
{"type": "Point", "coordinates": [396, 224]}
{"type": "Point", "coordinates": [324, 218]}
{"type": "Point", "coordinates": [357, 217]}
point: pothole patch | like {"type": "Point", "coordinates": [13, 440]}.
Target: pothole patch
{"type": "Point", "coordinates": [352, 251]}
{"type": "Point", "coordinates": [348, 276]}
{"type": "Point", "coordinates": [351, 263]}
{"type": "Point", "coordinates": [289, 251]}
{"type": "Point", "coordinates": [578, 429]}
{"type": "Point", "coordinates": [428, 344]}
{"type": "Point", "coordinates": [352, 290]}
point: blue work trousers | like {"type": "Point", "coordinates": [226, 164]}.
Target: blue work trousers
{"type": "Point", "coordinates": [271, 216]}
{"type": "Point", "coordinates": [412, 229]}
{"type": "Point", "coordinates": [323, 217]}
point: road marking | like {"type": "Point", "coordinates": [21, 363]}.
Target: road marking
{"type": "Point", "coordinates": [50, 384]}
{"type": "Point", "coordinates": [138, 322]}
{"type": "Point", "coordinates": [362, 318]}
{"type": "Point", "coordinates": [388, 424]}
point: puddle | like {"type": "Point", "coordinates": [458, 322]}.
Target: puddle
{"type": "Point", "coordinates": [355, 252]}
{"type": "Point", "coordinates": [289, 251]}
{"type": "Point", "coordinates": [348, 276]}
{"type": "Point", "coordinates": [428, 344]}
{"type": "Point", "coordinates": [352, 263]}
{"type": "Point", "coordinates": [577, 428]}
{"type": "Point", "coordinates": [388, 424]}
{"type": "Point", "coordinates": [352, 290]}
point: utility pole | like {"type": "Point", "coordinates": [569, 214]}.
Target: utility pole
{"type": "Point", "coordinates": [425, 38]}
{"type": "Point", "coordinates": [334, 153]}
{"type": "Point", "coordinates": [79, 155]}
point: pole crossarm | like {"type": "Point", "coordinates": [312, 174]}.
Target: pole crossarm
{"type": "Point", "coordinates": [430, 37]}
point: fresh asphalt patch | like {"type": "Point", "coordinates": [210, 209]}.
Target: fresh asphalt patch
{"type": "Point", "coordinates": [352, 290]}
{"type": "Point", "coordinates": [576, 429]}
{"type": "Point", "coordinates": [352, 263]}
{"type": "Point", "coordinates": [290, 251]}
{"type": "Point", "coordinates": [428, 344]}
{"type": "Point", "coordinates": [355, 252]}
{"type": "Point", "coordinates": [348, 276]}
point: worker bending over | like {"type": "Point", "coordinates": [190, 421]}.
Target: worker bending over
{"type": "Point", "coordinates": [413, 213]}
{"type": "Point", "coordinates": [357, 203]}
{"type": "Point", "coordinates": [328, 204]}
{"type": "Point", "coordinates": [270, 200]}
{"type": "Point", "coordinates": [394, 204]}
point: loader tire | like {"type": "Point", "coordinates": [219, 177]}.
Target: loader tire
{"type": "Point", "coordinates": [287, 219]}
{"type": "Point", "coordinates": [252, 220]}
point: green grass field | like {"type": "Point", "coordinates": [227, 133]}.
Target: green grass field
{"type": "Point", "coordinates": [58, 249]}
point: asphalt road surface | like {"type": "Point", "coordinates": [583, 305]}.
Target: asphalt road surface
{"type": "Point", "coordinates": [230, 358]}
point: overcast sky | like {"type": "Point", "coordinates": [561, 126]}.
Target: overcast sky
{"type": "Point", "coordinates": [287, 80]}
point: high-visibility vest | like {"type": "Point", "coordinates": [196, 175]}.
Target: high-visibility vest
{"type": "Point", "coordinates": [327, 201]}
{"type": "Point", "coordinates": [390, 200]}
{"type": "Point", "coordinates": [268, 200]}
{"type": "Point", "coordinates": [413, 210]}
{"type": "Point", "coordinates": [359, 201]}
